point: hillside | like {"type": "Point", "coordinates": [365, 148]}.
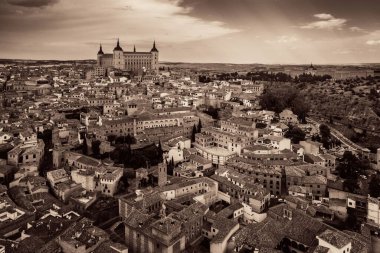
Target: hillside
{"type": "Point", "coordinates": [351, 106]}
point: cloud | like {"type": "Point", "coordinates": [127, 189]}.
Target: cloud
{"type": "Point", "coordinates": [324, 16]}
{"type": "Point", "coordinates": [32, 3]}
{"type": "Point", "coordinates": [171, 22]}
{"type": "Point", "coordinates": [342, 52]}
{"type": "Point", "coordinates": [356, 29]}
{"type": "Point", "coordinates": [134, 21]}
{"type": "Point", "coordinates": [327, 21]}
{"type": "Point", "coordinates": [284, 39]}
{"type": "Point", "coordinates": [373, 42]}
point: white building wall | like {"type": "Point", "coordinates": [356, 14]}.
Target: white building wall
{"type": "Point", "coordinates": [333, 249]}
{"type": "Point", "coordinates": [373, 212]}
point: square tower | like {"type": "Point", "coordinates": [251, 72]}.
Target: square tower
{"type": "Point", "coordinates": [162, 174]}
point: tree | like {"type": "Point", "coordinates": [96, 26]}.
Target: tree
{"type": "Point", "coordinates": [193, 134]}
{"type": "Point", "coordinates": [295, 134]}
{"type": "Point", "coordinates": [269, 101]}
{"type": "Point", "coordinates": [170, 167]}
{"type": "Point", "coordinates": [160, 151]}
{"type": "Point", "coordinates": [374, 186]}
{"type": "Point", "coordinates": [85, 146]}
{"type": "Point", "coordinates": [325, 133]}
{"type": "Point", "coordinates": [331, 121]}
{"type": "Point", "coordinates": [212, 111]}
{"type": "Point", "coordinates": [351, 221]}
{"type": "Point", "coordinates": [279, 98]}
{"type": "Point", "coordinates": [346, 167]}
{"type": "Point", "coordinates": [199, 127]}
{"type": "Point", "coordinates": [350, 185]}
{"type": "Point", "coordinates": [111, 138]}
{"type": "Point", "coordinates": [373, 95]}
{"type": "Point", "coordinates": [125, 155]}
{"type": "Point", "coordinates": [350, 168]}
{"type": "Point", "coordinates": [47, 161]}
{"type": "Point", "coordinates": [300, 108]}
{"type": "Point", "coordinates": [261, 125]}
{"type": "Point", "coordinates": [96, 148]}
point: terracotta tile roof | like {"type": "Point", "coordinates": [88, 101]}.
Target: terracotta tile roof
{"type": "Point", "coordinates": [316, 179]}
{"type": "Point", "coordinates": [166, 225]}
{"type": "Point", "coordinates": [110, 247]}
{"type": "Point", "coordinates": [321, 249]}
{"type": "Point", "coordinates": [294, 171]}
{"type": "Point", "coordinates": [88, 161]}
{"type": "Point", "coordinates": [83, 233]}
{"type": "Point", "coordinates": [334, 238]}
{"type": "Point", "coordinates": [137, 219]}
{"type": "Point", "coordinates": [224, 226]}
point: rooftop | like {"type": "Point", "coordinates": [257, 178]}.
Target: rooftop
{"type": "Point", "coordinates": [334, 238]}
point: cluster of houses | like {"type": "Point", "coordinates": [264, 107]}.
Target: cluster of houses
{"type": "Point", "coordinates": [235, 182]}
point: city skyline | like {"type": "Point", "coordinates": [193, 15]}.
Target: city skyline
{"type": "Point", "coordinates": [243, 31]}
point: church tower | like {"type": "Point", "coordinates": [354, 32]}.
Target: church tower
{"type": "Point", "coordinates": [162, 174]}
{"type": "Point", "coordinates": [118, 57]}
{"type": "Point", "coordinates": [154, 53]}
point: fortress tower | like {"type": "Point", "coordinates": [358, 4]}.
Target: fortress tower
{"type": "Point", "coordinates": [118, 57]}
{"type": "Point", "coordinates": [99, 56]}
{"type": "Point", "coordinates": [154, 53]}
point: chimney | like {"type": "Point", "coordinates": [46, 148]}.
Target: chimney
{"type": "Point", "coordinates": [287, 213]}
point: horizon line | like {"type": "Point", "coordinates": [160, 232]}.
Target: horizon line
{"type": "Point", "coordinates": [192, 62]}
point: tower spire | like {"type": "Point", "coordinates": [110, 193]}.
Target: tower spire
{"type": "Point", "coordinates": [118, 46]}
{"type": "Point", "coordinates": [100, 49]}
{"type": "Point", "coordinates": [154, 49]}
{"type": "Point", "coordinates": [134, 48]}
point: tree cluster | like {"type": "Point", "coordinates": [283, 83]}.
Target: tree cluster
{"type": "Point", "coordinates": [47, 161]}
{"type": "Point", "coordinates": [325, 134]}
{"type": "Point", "coordinates": [295, 134]}
{"type": "Point", "coordinates": [204, 79]}
{"type": "Point", "coordinates": [212, 111]}
{"type": "Point", "coordinates": [144, 157]}
{"type": "Point", "coordinates": [350, 168]}
{"type": "Point", "coordinates": [196, 129]}
{"type": "Point", "coordinates": [170, 167]}
{"type": "Point", "coordinates": [374, 186]}
{"type": "Point", "coordinates": [309, 78]}
{"type": "Point", "coordinates": [280, 98]}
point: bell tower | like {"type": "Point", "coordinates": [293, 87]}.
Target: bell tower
{"type": "Point", "coordinates": [162, 174]}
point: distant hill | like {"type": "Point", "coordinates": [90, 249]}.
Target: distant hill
{"type": "Point", "coordinates": [232, 67]}
{"type": "Point", "coordinates": [213, 67]}
{"type": "Point", "coordinates": [45, 62]}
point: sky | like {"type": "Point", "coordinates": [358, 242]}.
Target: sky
{"type": "Point", "coordinates": [217, 31]}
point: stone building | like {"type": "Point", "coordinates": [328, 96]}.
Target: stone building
{"type": "Point", "coordinates": [127, 60]}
